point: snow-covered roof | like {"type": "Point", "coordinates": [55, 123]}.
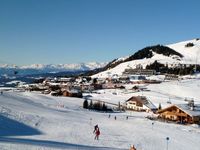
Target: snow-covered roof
{"type": "Point", "coordinates": [187, 109]}
{"type": "Point", "coordinates": [151, 105]}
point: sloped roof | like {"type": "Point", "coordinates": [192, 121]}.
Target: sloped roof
{"type": "Point", "coordinates": [144, 101]}
{"type": "Point", "coordinates": [186, 108]}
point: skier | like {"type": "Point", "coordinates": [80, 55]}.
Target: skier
{"type": "Point", "coordinates": [95, 128]}
{"type": "Point", "coordinates": [115, 118]}
{"type": "Point", "coordinates": [97, 133]}
{"type": "Point", "coordinates": [126, 117]}
{"type": "Point", "coordinates": [109, 116]}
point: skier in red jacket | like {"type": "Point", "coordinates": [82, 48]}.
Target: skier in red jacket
{"type": "Point", "coordinates": [97, 133]}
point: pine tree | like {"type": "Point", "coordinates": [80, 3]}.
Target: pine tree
{"type": "Point", "coordinates": [159, 107]}
{"type": "Point", "coordinates": [85, 104]}
{"type": "Point", "coordinates": [104, 107]}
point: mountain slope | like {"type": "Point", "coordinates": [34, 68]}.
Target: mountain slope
{"type": "Point", "coordinates": [148, 52]}
{"type": "Point", "coordinates": [185, 52]}
{"type": "Point", "coordinates": [189, 49]}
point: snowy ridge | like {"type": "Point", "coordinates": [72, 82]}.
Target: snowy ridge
{"type": "Point", "coordinates": [119, 69]}
{"type": "Point", "coordinates": [119, 59]}
{"type": "Point", "coordinates": [80, 66]}
{"type": "Point", "coordinates": [191, 54]}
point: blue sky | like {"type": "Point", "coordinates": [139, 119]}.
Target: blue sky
{"type": "Point", "coordinates": [74, 31]}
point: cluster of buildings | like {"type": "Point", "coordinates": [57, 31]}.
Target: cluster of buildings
{"type": "Point", "coordinates": [74, 87]}
{"type": "Point", "coordinates": [188, 113]}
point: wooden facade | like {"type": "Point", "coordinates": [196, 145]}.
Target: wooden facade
{"type": "Point", "coordinates": [179, 114]}
{"type": "Point", "coordinates": [72, 94]}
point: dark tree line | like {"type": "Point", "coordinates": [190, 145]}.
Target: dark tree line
{"type": "Point", "coordinates": [148, 52]}
{"type": "Point", "coordinates": [181, 70]}
{"type": "Point", "coordinates": [189, 45]}
{"type": "Point", "coordinates": [100, 106]}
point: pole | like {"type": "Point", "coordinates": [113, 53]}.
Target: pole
{"type": "Point", "coordinates": [167, 138]}
{"type": "Point", "coordinates": [152, 125]}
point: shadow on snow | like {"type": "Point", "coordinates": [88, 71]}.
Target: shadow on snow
{"type": "Point", "coordinates": [10, 127]}
{"type": "Point", "coordinates": [52, 144]}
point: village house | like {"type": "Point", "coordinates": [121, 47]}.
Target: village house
{"type": "Point", "coordinates": [181, 113]}
{"type": "Point", "coordinates": [87, 87]}
{"type": "Point", "coordinates": [108, 85]}
{"type": "Point", "coordinates": [139, 71]}
{"type": "Point", "coordinates": [140, 103]}
{"type": "Point", "coordinates": [65, 80]}
{"type": "Point", "coordinates": [171, 77]}
{"type": "Point", "coordinates": [137, 78]}
{"type": "Point", "coordinates": [72, 93]}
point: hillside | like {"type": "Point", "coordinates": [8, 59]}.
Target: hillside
{"type": "Point", "coordinates": [189, 49]}
{"type": "Point", "coordinates": [186, 52]}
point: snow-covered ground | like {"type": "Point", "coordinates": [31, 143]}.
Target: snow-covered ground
{"type": "Point", "coordinates": [172, 91]}
{"type": "Point", "coordinates": [31, 120]}
{"type": "Point", "coordinates": [191, 54]}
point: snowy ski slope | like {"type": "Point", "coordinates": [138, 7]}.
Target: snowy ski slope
{"type": "Point", "coordinates": [32, 121]}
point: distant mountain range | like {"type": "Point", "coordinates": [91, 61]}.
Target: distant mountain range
{"type": "Point", "coordinates": [9, 70]}
{"type": "Point", "coordinates": [186, 53]}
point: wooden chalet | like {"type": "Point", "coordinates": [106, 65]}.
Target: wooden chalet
{"type": "Point", "coordinates": [181, 113]}
{"type": "Point", "coordinates": [140, 103]}
{"type": "Point", "coordinates": [72, 93]}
